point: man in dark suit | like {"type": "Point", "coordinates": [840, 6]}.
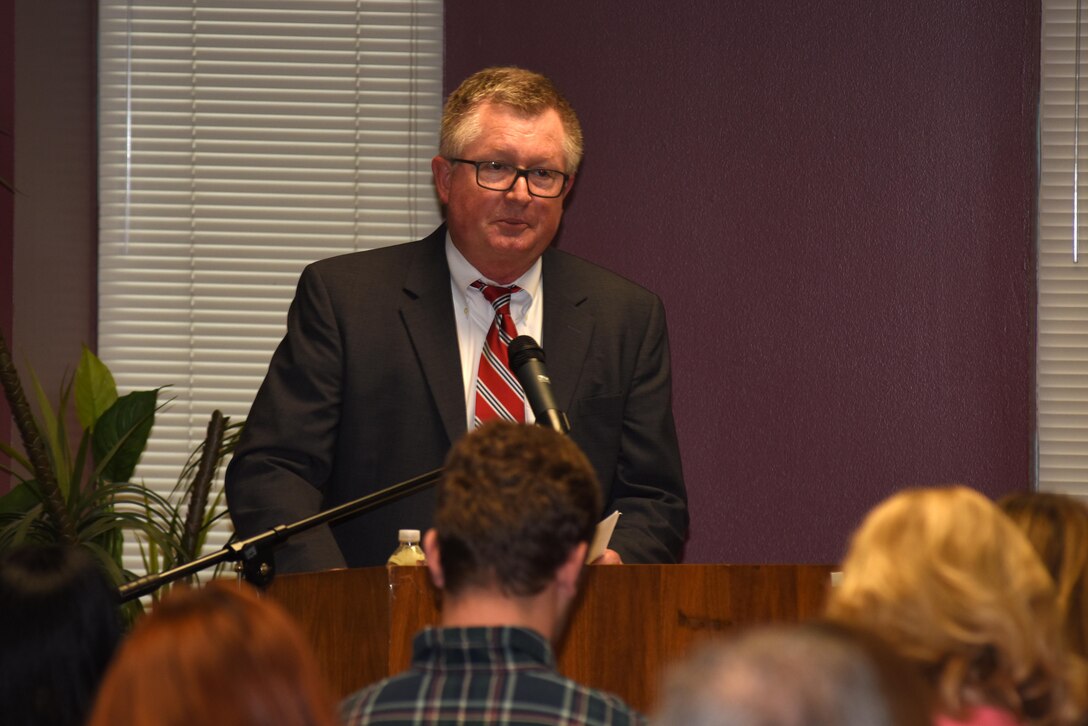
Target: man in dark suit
{"type": "Point", "coordinates": [377, 375]}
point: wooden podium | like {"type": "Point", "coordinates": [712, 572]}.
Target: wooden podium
{"type": "Point", "coordinates": [630, 622]}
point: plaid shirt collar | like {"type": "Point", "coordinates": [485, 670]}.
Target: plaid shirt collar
{"type": "Point", "coordinates": [480, 648]}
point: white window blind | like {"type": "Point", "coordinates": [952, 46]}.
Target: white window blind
{"type": "Point", "coordinates": [1062, 352]}
{"type": "Point", "coordinates": [239, 141]}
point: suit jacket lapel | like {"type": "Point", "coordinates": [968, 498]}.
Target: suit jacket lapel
{"type": "Point", "coordinates": [568, 329]}
{"type": "Point", "coordinates": [427, 313]}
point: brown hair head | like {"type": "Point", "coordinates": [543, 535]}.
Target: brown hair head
{"type": "Point", "coordinates": [529, 94]}
{"type": "Point", "coordinates": [513, 503]}
{"type": "Point", "coordinates": [217, 654]}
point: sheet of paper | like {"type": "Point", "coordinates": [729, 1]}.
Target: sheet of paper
{"type": "Point", "coordinates": [602, 536]}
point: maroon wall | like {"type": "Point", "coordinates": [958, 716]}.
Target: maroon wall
{"type": "Point", "coordinates": [7, 202]}
{"type": "Point", "coordinates": [835, 200]}
{"type": "Point", "coordinates": [48, 229]}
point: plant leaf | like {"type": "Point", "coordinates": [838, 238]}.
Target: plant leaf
{"type": "Point", "coordinates": [107, 561]}
{"type": "Point", "coordinates": [201, 484]}
{"type": "Point", "coordinates": [17, 456]}
{"type": "Point", "coordinates": [63, 464]}
{"type": "Point", "coordinates": [96, 390]}
{"type": "Point", "coordinates": [49, 432]}
{"type": "Point", "coordinates": [18, 477]}
{"type": "Point", "coordinates": [19, 500]}
{"type": "Point", "coordinates": [121, 434]}
{"type": "Point", "coordinates": [25, 523]}
{"type": "Point", "coordinates": [30, 432]}
{"type": "Point", "coordinates": [81, 457]}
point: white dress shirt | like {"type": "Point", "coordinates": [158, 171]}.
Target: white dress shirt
{"type": "Point", "coordinates": [474, 316]}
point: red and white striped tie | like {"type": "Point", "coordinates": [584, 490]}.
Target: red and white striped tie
{"type": "Point", "coordinates": [498, 393]}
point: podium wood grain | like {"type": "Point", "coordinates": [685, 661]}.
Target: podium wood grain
{"type": "Point", "coordinates": [629, 623]}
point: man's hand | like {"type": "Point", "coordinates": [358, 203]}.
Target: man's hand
{"type": "Point", "coordinates": [610, 557]}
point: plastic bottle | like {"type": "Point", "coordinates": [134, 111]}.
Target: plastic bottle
{"type": "Point", "coordinates": [408, 552]}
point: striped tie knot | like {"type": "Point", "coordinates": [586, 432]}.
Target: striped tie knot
{"type": "Point", "coordinates": [499, 297]}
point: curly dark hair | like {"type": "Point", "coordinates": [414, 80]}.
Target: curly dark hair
{"type": "Point", "coordinates": [513, 502]}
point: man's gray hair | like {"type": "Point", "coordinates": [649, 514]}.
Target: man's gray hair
{"type": "Point", "coordinates": [809, 675]}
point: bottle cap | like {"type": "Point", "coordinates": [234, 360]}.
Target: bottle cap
{"type": "Point", "coordinates": [408, 535]}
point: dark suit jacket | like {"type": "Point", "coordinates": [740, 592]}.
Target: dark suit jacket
{"type": "Point", "coordinates": [366, 390]}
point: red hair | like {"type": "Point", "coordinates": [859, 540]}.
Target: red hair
{"type": "Point", "coordinates": [217, 654]}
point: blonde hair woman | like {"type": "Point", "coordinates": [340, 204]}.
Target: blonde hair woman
{"type": "Point", "coordinates": [1057, 527]}
{"type": "Point", "coordinates": [952, 584]}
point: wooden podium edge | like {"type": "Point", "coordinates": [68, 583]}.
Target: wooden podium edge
{"type": "Point", "coordinates": [629, 623]}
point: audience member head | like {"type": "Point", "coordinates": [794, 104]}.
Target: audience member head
{"type": "Point", "coordinates": [1057, 527]}
{"type": "Point", "coordinates": [60, 621]}
{"type": "Point", "coordinates": [216, 654]}
{"type": "Point", "coordinates": [515, 503]}
{"type": "Point", "coordinates": [815, 674]}
{"type": "Point", "coordinates": [951, 583]}
{"type": "Point", "coordinates": [527, 93]}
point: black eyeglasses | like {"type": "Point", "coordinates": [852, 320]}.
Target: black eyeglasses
{"type": "Point", "coordinates": [501, 177]}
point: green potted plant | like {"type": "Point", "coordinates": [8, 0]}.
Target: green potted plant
{"type": "Point", "coordinates": [84, 494]}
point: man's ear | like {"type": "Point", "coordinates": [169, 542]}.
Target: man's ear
{"type": "Point", "coordinates": [442, 171]}
{"type": "Point", "coordinates": [434, 558]}
{"type": "Point", "coordinates": [567, 575]}
{"type": "Point", "coordinates": [570, 185]}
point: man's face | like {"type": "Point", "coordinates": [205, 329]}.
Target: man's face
{"type": "Point", "coordinates": [503, 233]}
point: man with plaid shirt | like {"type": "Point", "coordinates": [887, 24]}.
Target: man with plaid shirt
{"type": "Point", "coordinates": [517, 506]}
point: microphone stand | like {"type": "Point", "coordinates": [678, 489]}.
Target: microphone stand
{"type": "Point", "coordinates": [255, 553]}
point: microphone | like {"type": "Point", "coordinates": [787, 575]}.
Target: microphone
{"type": "Point", "coordinates": [527, 363]}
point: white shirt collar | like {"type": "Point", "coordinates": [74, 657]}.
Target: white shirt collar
{"type": "Point", "coordinates": [463, 274]}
